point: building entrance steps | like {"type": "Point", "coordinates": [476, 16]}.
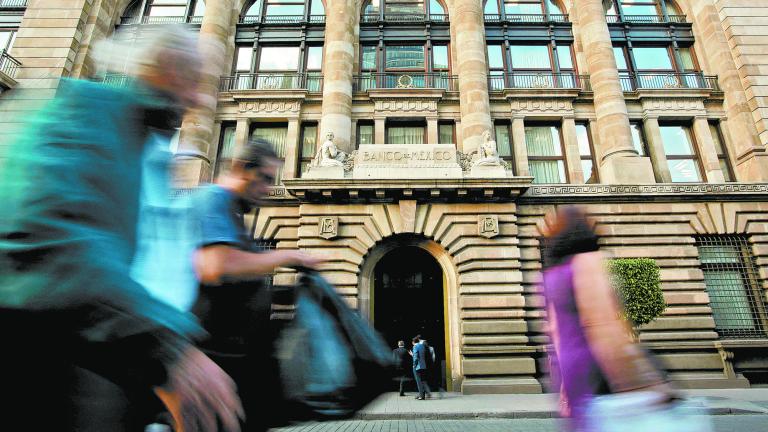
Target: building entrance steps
{"type": "Point", "coordinates": [458, 406]}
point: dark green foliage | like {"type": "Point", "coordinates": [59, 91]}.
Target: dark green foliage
{"type": "Point", "coordinates": [637, 282]}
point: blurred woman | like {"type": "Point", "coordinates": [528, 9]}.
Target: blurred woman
{"type": "Point", "coordinates": [594, 350]}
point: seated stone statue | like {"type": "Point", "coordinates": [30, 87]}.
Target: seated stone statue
{"type": "Point", "coordinates": [328, 155]}
{"type": "Point", "coordinates": [486, 153]}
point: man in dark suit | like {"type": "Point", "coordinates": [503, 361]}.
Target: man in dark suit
{"type": "Point", "coordinates": [402, 360]}
{"type": "Point", "coordinates": [420, 368]}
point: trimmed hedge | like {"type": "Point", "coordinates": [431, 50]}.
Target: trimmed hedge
{"type": "Point", "coordinates": [638, 285]}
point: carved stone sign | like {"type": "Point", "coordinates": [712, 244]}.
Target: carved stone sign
{"type": "Point", "coordinates": [329, 227]}
{"type": "Point", "coordinates": [488, 225]}
{"type": "Point", "coordinates": [406, 161]}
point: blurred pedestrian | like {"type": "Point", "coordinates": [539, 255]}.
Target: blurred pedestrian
{"type": "Point", "coordinates": [594, 350]}
{"type": "Point", "coordinates": [76, 329]}
{"type": "Point", "coordinates": [420, 354]}
{"type": "Point", "coordinates": [434, 371]}
{"type": "Point", "coordinates": [402, 361]}
{"type": "Point", "coordinates": [234, 303]}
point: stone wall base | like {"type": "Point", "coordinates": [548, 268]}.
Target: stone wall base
{"type": "Point", "coordinates": [500, 385]}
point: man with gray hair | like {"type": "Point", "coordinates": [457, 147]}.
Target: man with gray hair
{"type": "Point", "coordinates": [72, 320]}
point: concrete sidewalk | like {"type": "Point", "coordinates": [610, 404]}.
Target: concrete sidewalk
{"type": "Point", "coordinates": [458, 406]}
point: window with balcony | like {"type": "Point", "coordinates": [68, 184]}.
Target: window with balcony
{"type": "Point", "coordinates": [276, 68]}
{"type": "Point", "coordinates": [660, 67]}
{"type": "Point", "coordinates": [680, 152]}
{"type": "Point", "coordinates": [276, 134]}
{"type": "Point", "coordinates": [7, 37]}
{"type": "Point", "coordinates": [732, 282]}
{"type": "Point", "coordinates": [405, 67]}
{"type": "Point", "coordinates": [546, 160]}
{"type": "Point", "coordinates": [164, 12]}
{"type": "Point", "coordinates": [523, 11]}
{"type": "Point", "coordinates": [643, 12]}
{"type": "Point", "coordinates": [586, 151]}
{"type": "Point", "coordinates": [531, 66]}
{"type": "Point", "coordinates": [308, 146]}
{"type": "Point", "coordinates": [722, 154]}
{"type": "Point", "coordinates": [399, 11]}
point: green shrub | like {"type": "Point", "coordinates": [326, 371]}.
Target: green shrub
{"type": "Point", "coordinates": [637, 283]}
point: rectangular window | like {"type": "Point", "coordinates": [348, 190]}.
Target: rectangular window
{"type": "Point", "coordinates": [405, 133]}
{"type": "Point", "coordinates": [585, 153]}
{"type": "Point", "coordinates": [313, 67]}
{"type": "Point", "coordinates": [275, 134]}
{"type": "Point", "coordinates": [652, 59]}
{"type": "Point", "coordinates": [722, 155]}
{"type": "Point", "coordinates": [400, 57]}
{"type": "Point", "coordinates": [446, 133]}
{"type": "Point", "coordinates": [530, 57]}
{"type": "Point", "coordinates": [732, 283]}
{"type": "Point", "coordinates": [226, 146]}
{"type": "Point", "coordinates": [545, 154]}
{"type": "Point", "coordinates": [368, 58]}
{"type": "Point", "coordinates": [646, 8]}
{"type": "Point", "coordinates": [495, 66]}
{"type": "Point", "coordinates": [638, 140]}
{"type": "Point", "coordinates": [503, 140]}
{"type": "Point", "coordinates": [564, 56]}
{"type": "Point", "coordinates": [308, 146]}
{"type": "Point", "coordinates": [244, 59]}
{"type": "Point", "coordinates": [364, 133]}
{"type": "Point", "coordinates": [279, 58]}
{"type": "Point", "coordinates": [285, 7]}
{"type": "Point", "coordinates": [522, 7]}
{"type": "Point", "coordinates": [440, 57]}
{"type": "Point", "coordinates": [681, 154]}
{"type": "Point", "coordinates": [6, 39]}
{"type": "Point", "coordinates": [403, 7]}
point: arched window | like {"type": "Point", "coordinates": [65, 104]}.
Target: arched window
{"type": "Point", "coordinates": [164, 12]}
{"type": "Point", "coordinates": [523, 11]}
{"type": "Point", "coordinates": [643, 11]}
{"type": "Point", "coordinates": [403, 11]}
{"type": "Point", "coordinates": [284, 12]}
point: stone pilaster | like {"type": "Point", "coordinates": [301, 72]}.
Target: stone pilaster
{"type": "Point", "coordinates": [616, 155]}
{"type": "Point", "coordinates": [242, 133]}
{"type": "Point", "coordinates": [379, 130]}
{"type": "Point", "coordinates": [432, 131]}
{"type": "Point", "coordinates": [467, 19]}
{"type": "Point", "coordinates": [197, 128]}
{"type": "Point", "coordinates": [656, 149]}
{"type": "Point", "coordinates": [519, 148]}
{"type": "Point", "coordinates": [572, 155]}
{"type": "Point", "coordinates": [706, 146]}
{"type": "Point", "coordinates": [338, 64]}
{"type": "Point", "coordinates": [290, 165]}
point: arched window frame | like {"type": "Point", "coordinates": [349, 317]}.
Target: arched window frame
{"type": "Point", "coordinates": [666, 11]}
{"type": "Point", "coordinates": [141, 12]}
{"type": "Point", "coordinates": [313, 12]}
{"type": "Point", "coordinates": [373, 11]}
{"type": "Point", "coordinates": [497, 11]}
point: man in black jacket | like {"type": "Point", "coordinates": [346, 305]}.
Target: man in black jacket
{"type": "Point", "coordinates": [402, 361]}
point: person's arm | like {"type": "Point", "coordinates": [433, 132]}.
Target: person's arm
{"type": "Point", "coordinates": [623, 364]}
{"type": "Point", "coordinates": [220, 260]}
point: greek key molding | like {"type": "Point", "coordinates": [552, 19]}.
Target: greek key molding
{"type": "Point", "coordinates": [657, 189]}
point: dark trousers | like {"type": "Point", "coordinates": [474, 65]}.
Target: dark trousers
{"type": "Point", "coordinates": [402, 380]}
{"type": "Point", "coordinates": [421, 382]}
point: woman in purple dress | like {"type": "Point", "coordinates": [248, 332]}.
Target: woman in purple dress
{"type": "Point", "coordinates": [594, 350]}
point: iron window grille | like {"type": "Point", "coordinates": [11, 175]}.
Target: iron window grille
{"type": "Point", "coordinates": [732, 283]}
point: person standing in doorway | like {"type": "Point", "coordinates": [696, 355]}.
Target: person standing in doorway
{"type": "Point", "coordinates": [420, 369]}
{"type": "Point", "coordinates": [402, 359]}
{"type": "Point", "coordinates": [433, 368]}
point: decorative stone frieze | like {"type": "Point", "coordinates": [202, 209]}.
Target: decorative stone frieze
{"type": "Point", "coordinates": [270, 107]}
{"type": "Point", "coordinates": [541, 106]}
{"type": "Point", "coordinates": [399, 106]}
{"type": "Point", "coordinates": [603, 191]}
{"type": "Point", "coordinates": [665, 106]}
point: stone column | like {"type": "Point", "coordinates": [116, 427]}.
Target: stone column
{"type": "Point", "coordinates": [432, 131]}
{"type": "Point", "coordinates": [197, 127]}
{"type": "Point", "coordinates": [519, 148]}
{"type": "Point", "coordinates": [706, 147]}
{"type": "Point", "coordinates": [290, 166]}
{"type": "Point", "coordinates": [338, 64]}
{"type": "Point", "coordinates": [379, 130]}
{"type": "Point", "coordinates": [572, 155]}
{"type": "Point", "coordinates": [616, 156]}
{"type": "Point", "coordinates": [656, 149]}
{"type": "Point", "coordinates": [467, 19]}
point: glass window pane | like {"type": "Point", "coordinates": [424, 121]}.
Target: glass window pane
{"type": "Point", "coordinates": [588, 169]}
{"type": "Point", "coordinates": [543, 141]}
{"type": "Point", "coordinates": [317, 8]}
{"type": "Point", "coordinates": [315, 58]}
{"type": "Point", "coordinates": [684, 170]}
{"type": "Point", "coordinates": [719, 254]}
{"type": "Point", "coordinates": [495, 57]}
{"type": "Point", "coordinates": [503, 143]}
{"type": "Point", "coordinates": [639, 9]}
{"type": "Point", "coordinates": [672, 9]}
{"type": "Point", "coordinates": [564, 56]}
{"type": "Point", "coordinates": [435, 8]}
{"type": "Point", "coordinates": [254, 10]}
{"type": "Point", "coordinates": [371, 8]}
{"type": "Point", "coordinates": [530, 57]}
{"type": "Point", "coordinates": [687, 58]}
{"type": "Point", "coordinates": [676, 140]}
{"type": "Point", "coordinates": [727, 176]}
{"type": "Point", "coordinates": [276, 135]}
{"type": "Point", "coordinates": [5, 39]}
{"type": "Point", "coordinates": [440, 57]}
{"type": "Point", "coordinates": [227, 143]}
{"type": "Point", "coordinates": [405, 135]}
{"type": "Point", "coordinates": [547, 171]}
{"type": "Point", "coordinates": [279, 59]}
{"type": "Point", "coordinates": [518, 8]}
{"type": "Point", "coordinates": [728, 300]}
{"type": "Point", "coordinates": [369, 57]}
{"type": "Point", "coordinates": [582, 136]}
{"type": "Point", "coordinates": [167, 11]}
{"type": "Point", "coordinates": [285, 10]}
{"type": "Point", "coordinates": [309, 139]}
{"type": "Point", "coordinates": [365, 133]}
{"type": "Point", "coordinates": [404, 57]}
{"type": "Point", "coordinates": [554, 9]}
{"type": "Point", "coordinates": [445, 135]}
{"type": "Point", "coordinates": [637, 138]}
{"type": "Point", "coordinates": [715, 132]}
{"type": "Point", "coordinates": [491, 7]}
{"type": "Point", "coordinates": [652, 58]}
{"type": "Point", "coordinates": [244, 58]}
{"type": "Point", "coordinates": [199, 8]}
{"type": "Point", "coordinates": [621, 60]}
{"type": "Point", "coordinates": [404, 7]}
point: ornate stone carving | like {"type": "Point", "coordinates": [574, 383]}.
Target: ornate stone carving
{"type": "Point", "coordinates": [328, 227]}
{"type": "Point", "coordinates": [271, 106]}
{"type": "Point", "coordinates": [328, 155]}
{"type": "Point", "coordinates": [405, 105]}
{"type": "Point", "coordinates": [488, 225]}
{"type": "Point", "coordinates": [486, 153]}
{"type": "Point", "coordinates": [537, 106]}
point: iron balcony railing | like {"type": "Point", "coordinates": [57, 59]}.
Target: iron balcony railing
{"type": "Point", "coordinates": [668, 81]}
{"type": "Point", "coordinates": [12, 4]}
{"type": "Point", "coordinates": [526, 18]}
{"type": "Point", "coordinates": [8, 65]}
{"type": "Point", "coordinates": [645, 19]}
{"type": "Point", "coordinates": [161, 20]}
{"type": "Point", "coordinates": [282, 19]}
{"type": "Point", "coordinates": [538, 80]}
{"type": "Point", "coordinates": [405, 80]}
{"type": "Point", "coordinates": [312, 82]}
{"type": "Point", "coordinates": [116, 79]}
{"type": "Point", "coordinates": [403, 18]}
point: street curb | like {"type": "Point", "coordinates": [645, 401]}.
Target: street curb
{"type": "Point", "coordinates": [509, 415]}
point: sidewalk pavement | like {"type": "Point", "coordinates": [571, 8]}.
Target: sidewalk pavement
{"type": "Point", "coordinates": [458, 406]}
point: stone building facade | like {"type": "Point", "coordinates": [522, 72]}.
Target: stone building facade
{"type": "Point", "coordinates": [650, 113]}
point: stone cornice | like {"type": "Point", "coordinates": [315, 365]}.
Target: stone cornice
{"type": "Point", "coordinates": [647, 192]}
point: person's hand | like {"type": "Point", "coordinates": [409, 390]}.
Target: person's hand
{"type": "Point", "coordinates": [200, 396]}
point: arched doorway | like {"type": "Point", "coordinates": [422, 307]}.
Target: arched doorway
{"type": "Point", "coordinates": [408, 300]}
